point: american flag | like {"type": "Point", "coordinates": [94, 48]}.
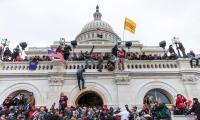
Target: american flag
{"type": "Point", "coordinates": [99, 33]}
{"type": "Point", "coordinates": [55, 56]}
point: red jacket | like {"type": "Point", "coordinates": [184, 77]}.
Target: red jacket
{"type": "Point", "coordinates": [58, 50]}
{"type": "Point", "coordinates": [121, 54]}
{"type": "Point", "coordinates": [180, 102]}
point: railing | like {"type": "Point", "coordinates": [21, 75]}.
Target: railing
{"type": "Point", "coordinates": [24, 66]}
{"type": "Point", "coordinates": [151, 64]}
{"type": "Point", "coordinates": [75, 65]}
{"type": "Point", "coordinates": [72, 66]}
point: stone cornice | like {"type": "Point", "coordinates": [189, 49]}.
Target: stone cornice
{"type": "Point", "coordinates": [190, 78]}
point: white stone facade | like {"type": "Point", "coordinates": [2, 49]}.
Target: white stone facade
{"type": "Point", "coordinates": [116, 88]}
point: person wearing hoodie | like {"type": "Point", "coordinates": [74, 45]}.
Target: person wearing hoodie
{"type": "Point", "coordinates": [195, 108]}
{"type": "Point", "coordinates": [123, 113]}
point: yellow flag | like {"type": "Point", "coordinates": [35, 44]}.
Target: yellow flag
{"type": "Point", "coordinates": [129, 25]}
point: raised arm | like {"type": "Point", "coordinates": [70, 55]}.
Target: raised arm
{"type": "Point", "coordinates": [92, 50]}
{"type": "Point", "coordinates": [82, 54]}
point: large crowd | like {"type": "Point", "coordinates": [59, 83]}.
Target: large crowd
{"type": "Point", "coordinates": [21, 107]}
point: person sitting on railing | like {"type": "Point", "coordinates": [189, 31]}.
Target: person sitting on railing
{"type": "Point", "coordinates": [180, 105]}
{"type": "Point", "coordinates": [195, 108]}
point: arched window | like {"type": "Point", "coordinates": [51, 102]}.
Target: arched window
{"type": "Point", "coordinates": [156, 94]}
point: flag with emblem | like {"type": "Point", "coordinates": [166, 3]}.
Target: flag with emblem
{"type": "Point", "coordinates": [129, 25]}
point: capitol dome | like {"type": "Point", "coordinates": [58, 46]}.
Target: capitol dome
{"type": "Point", "coordinates": [90, 30]}
{"type": "Point", "coordinates": [93, 25]}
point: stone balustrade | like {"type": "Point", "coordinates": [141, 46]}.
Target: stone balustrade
{"type": "Point", "coordinates": [72, 66]}
{"type": "Point", "coordinates": [24, 66]}
{"type": "Point", "coordinates": [151, 64]}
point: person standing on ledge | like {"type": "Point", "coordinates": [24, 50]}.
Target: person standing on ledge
{"type": "Point", "coordinates": [80, 78]}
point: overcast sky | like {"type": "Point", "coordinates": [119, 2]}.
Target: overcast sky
{"type": "Point", "coordinates": [40, 22]}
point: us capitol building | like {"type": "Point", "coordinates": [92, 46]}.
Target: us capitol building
{"type": "Point", "coordinates": [161, 79]}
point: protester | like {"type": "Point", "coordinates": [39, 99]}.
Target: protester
{"type": "Point", "coordinates": [7, 54]}
{"type": "Point", "coordinates": [16, 53]}
{"type": "Point", "coordinates": [195, 108]}
{"type": "Point", "coordinates": [124, 114]}
{"type": "Point", "coordinates": [87, 56]}
{"type": "Point", "coordinates": [66, 52]}
{"type": "Point", "coordinates": [181, 104]}
{"type": "Point", "coordinates": [62, 102]}
{"type": "Point", "coordinates": [121, 55]}
{"type": "Point", "coordinates": [100, 62]}
{"type": "Point", "coordinates": [59, 49]}
{"type": "Point", "coordinates": [80, 78]}
{"type": "Point", "coordinates": [31, 100]}
{"type": "Point", "coordinates": [162, 111]}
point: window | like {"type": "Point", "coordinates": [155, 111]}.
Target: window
{"type": "Point", "coordinates": [156, 94]}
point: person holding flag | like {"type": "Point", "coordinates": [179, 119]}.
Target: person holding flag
{"type": "Point", "coordinates": [55, 56]}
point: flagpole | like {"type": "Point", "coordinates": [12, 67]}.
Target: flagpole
{"type": "Point", "coordinates": [123, 35]}
{"type": "Point", "coordinates": [124, 30]}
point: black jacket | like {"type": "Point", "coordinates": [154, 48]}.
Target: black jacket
{"type": "Point", "coordinates": [196, 109]}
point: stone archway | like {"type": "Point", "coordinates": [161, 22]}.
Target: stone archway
{"type": "Point", "coordinates": [89, 98]}
{"type": "Point", "coordinates": [24, 87]}
{"type": "Point", "coordinates": [102, 91]}
{"type": "Point", "coordinates": [14, 97]}
{"type": "Point", "coordinates": [169, 90]}
{"type": "Point", "coordinates": [156, 94]}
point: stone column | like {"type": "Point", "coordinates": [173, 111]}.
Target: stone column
{"type": "Point", "coordinates": [184, 63]}
{"type": "Point", "coordinates": [190, 82]}
{"type": "Point", "coordinates": [122, 81]}
{"type": "Point", "coordinates": [56, 81]}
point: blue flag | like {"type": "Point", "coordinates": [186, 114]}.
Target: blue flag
{"type": "Point", "coordinates": [33, 65]}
